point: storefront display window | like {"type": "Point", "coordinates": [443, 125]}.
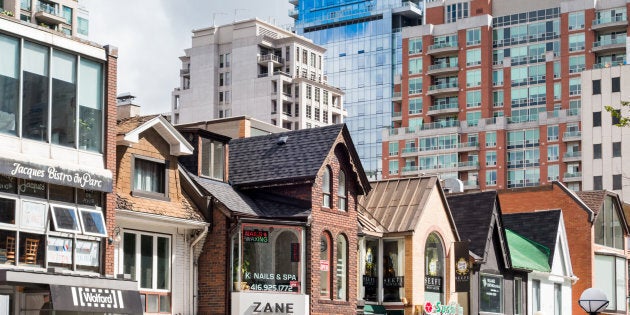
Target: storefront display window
{"type": "Point", "coordinates": [268, 258]}
{"type": "Point", "coordinates": [342, 268]}
{"type": "Point", "coordinates": [324, 266]}
{"type": "Point", "coordinates": [434, 269]}
{"type": "Point", "coordinates": [491, 294]}
{"type": "Point", "coordinates": [7, 211]}
{"type": "Point", "coordinates": [393, 280]}
{"type": "Point", "coordinates": [370, 273]}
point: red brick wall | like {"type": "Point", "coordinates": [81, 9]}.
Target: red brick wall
{"type": "Point", "coordinates": [213, 268]}
{"type": "Point", "coordinates": [110, 149]}
{"type": "Point", "coordinates": [576, 220]}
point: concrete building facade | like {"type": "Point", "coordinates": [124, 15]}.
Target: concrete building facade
{"type": "Point", "coordinates": [64, 16]}
{"type": "Point", "coordinates": [256, 69]}
{"type": "Point", "coordinates": [491, 91]}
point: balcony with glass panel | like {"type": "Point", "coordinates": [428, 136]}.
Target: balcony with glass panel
{"type": "Point", "coordinates": [410, 170]}
{"type": "Point", "coordinates": [610, 43]}
{"type": "Point", "coordinates": [408, 9]}
{"type": "Point", "coordinates": [471, 184]}
{"type": "Point", "coordinates": [575, 156]}
{"type": "Point", "coordinates": [397, 96]}
{"type": "Point", "coordinates": [572, 136]}
{"type": "Point", "coordinates": [48, 13]}
{"type": "Point", "coordinates": [294, 13]}
{"type": "Point", "coordinates": [449, 45]}
{"type": "Point", "coordinates": [443, 88]}
{"type": "Point", "coordinates": [570, 177]}
{"type": "Point", "coordinates": [468, 147]}
{"type": "Point", "coordinates": [443, 68]}
{"type": "Point", "coordinates": [409, 151]}
{"type": "Point", "coordinates": [440, 125]}
{"type": "Point", "coordinates": [452, 107]}
{"type": "Point", "coordinates": [610, 22]}
{"type": "Point", "coordinates": [468, 166]}
{"type": "Point", "coordinates": [396, 116]}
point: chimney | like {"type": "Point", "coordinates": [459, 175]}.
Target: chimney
{"type": "Point", "coordinates": [125, 106]}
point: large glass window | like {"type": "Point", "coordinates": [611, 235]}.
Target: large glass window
{"type": "Point", "coordinates": [83, 26]}
{"type": "Point", "coordinates": [536, 295]}
{"type": "Point", "coordinates": [518, 296]}
{"type": "Point", "coordinates": [393, 266]}
{"type": "Point", "coordinates": [90, 105]}
{"type": "Point", "coordinates": [491, 294]}
{"type": "Point", "coordinates": [369, 278]}
{"type": "Point", "coordinates": [434, 269]}
{"type": "Point", "coordinates": [415, 65]}
{"type": "Point", "coordinates": [608, 231]}
{"type": "Point", "coordinates": [325, 257]}
{"type": "Point", "coordinates": [341, 269]}
{"type": "Point", "coordinates": [212, 154]}
{"type": "Point", "coordinates": [610, 277]}
{"type": "Point", "coordinates": [326, 187]}
{"type": "Point", "coordinates": [64, 99]}
{"type": "Point", "coordinates": [35, 91]}
{"type": "Point", "coordinates": [9, 83]}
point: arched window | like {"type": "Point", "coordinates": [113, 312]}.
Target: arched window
{"type": "Point", "coordinates": [434, 268]}
{"type": "Point", "coordinates": [342, 193]}
{"type": "Point", "coordinates": [325, 257]}
{"type": "Point", "coordinates": [326, 187]}
{"type": "Point", "coordinates": [341, 268]}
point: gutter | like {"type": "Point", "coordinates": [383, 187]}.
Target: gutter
{"type": "Point", "coordinates": [193, 282]}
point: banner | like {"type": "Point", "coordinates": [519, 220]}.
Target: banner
{"type": "Point", "coordinates": [462, 268]}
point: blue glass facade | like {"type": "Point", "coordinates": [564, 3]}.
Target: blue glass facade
{"type": "Point", "coordinates": [363, 57]}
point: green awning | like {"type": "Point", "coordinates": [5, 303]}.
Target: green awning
{"type": "Point", "coordinates": [527, 254]}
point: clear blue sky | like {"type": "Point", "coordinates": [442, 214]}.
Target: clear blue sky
{"type": "Point", "coordinates": [152, 35]}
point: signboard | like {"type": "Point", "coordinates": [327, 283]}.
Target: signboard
{"type": "Point", "coordinates": [33, 216]}
{"type": "Point", "coordinates": [84, 299]}
{"type": "Point", "coordinates": [269, 303]}
{"type": "Point", "coordinates": [323, 265]}
{"type": "Point", "coordinates": [59, 250]}
{"type": "Point", "coordinates": [491, 294]}
{"type": "Point", "coordinates": [55, 175]}
{"type": "Point", "coordinates": [433, 284]}
{"type": "Point", "coordinates": [255, 236]}
{"type": "Point", "coordinates": [443, 309]}
{"type": "Point", "coordinates": [462, 267]}
{"type": "Point", "coordinates": [393, 282]}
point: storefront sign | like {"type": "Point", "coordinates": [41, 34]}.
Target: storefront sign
{"type": "Point", "coordinates": [59, 250]}
{"type": "Point", "coordinates": [490, 296]}
{"type": "Point", "coordinates": [433, 284]}
{"type": "Point", "coordinates": [255, 236]}
{"type": "Point", "coordinates": [323, 265]}
{"type": "Point", "coordinates": [462, 270]}
{"type": "Point", "coordinates": [281, 282]}
{"type": "Point", "coordinates": [394, 282]}
{"type": "Point", "coordinates": [439, 308]}
{"type": "Point", "coordinates": [55, 175]}
{"type": "Point", "coordinates": [82, 299]}
{"type": "Point", "coordinates": [369, 281]}
{"type": "Point", "coordinates": [266, 303]}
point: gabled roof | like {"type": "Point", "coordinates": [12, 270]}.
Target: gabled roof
{"type": "Point", "coordinates": [527, 254]}
{"type": "Point", "coordinates": [289, 157]}
{"type": "Point", "coordinates": [255, 204]}
{"type": "Point", "coordinates": [595, 201]}
{"type": "Point", "coordinates": [129, 130]}
{"type": "Point", "coordinates": [473, 214]}
{"type": "Point", "coordinates": [540, 227]}
{"type": "Point", "coordinates": [398, 204]}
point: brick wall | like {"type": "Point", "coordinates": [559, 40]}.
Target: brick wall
{"type": "Point", "coordinates": [579, 229]}
{"type": "Point", "coordinates": [110, 149]}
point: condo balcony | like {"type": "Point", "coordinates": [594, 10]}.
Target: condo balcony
{"type": "Point", "coordinates": [471, 184]}
{"type": "Point", "coordinates": [408, 9]}
{"type": "Point", "coordinates": [443, 48]}
{"type": "Point", "coordinates": [409, 151]}
{"type": "Point", "coordinates": [48, 13]}
{"type": "Point", "coordinates": [468, 166]}
{"type": "Point", "coordinates": [443, 88]}
{"type": "Point", "coordinates": [443, 68]}
{"type": "Point", "coordinates": [409, 170]}
{"type": "Point", "coordinates": [396, 115]}
{"type": "Point", "coordinates": [263, 60]}
{"type": "Point", "coordinates": [293, 13]}
{"type": "Point", "coordinates": [611, 43]}
{"type": "Point", "coordinates": [397, 96]}
{"type": "Point", "coordinates": [468, 146]}
{"type": "Point", "coordinates": [445, 108]}
{"type": "Point", "coordinates": [572, 136]}
{"type": "Point", "coordinates": [572, 156]}
{"type": "Point", "coordinates": [610, 22]}
{"type": "Point", "coordinates": [570, 177]}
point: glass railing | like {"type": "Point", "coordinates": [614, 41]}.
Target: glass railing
{"type": "Point", "coordinates": [44, 7]}
{"type": "Point", "coordinates": [468, 164]}
{"type": "Point", "coordinates": [397, 114]}
{"type": "Point", "coordinates": [443, 65]}
{"type": "Point", "coordinates": [440, 124]}
{"type": "Point", "coordinates": [469, 145]}
{"type": "Point", "coordinates": [411, 168]}
{"type": "Point", "coordinates": [610, 19]}
{"type": "Point", "coordinates": [607, 64]}
{"type": "Point", "coordinates": [409, 150]}
{"type": "Point", "coordinates": [397, 94]}
{"type": "Point", "coordinates": [572, 134]}
{"type": "Point", "coordinates": [451, 105]}
{"type": "Point", "coordinates": [450, 44]}
{"type": "Point", "coordinates": [575, 154]}
{"type": "Point", "coordinates": [441, 86]}
{"type": "Point", "coordinates": [573, 175]}
{"type": "Point", "coordinates": [619, 39]}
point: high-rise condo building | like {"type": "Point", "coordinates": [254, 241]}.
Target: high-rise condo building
{"type": "Point", "coordinates": [65, 16]}
{"type": "Point", "coordinates": [491, 90]}
{"type": "Point", "coordinates": [259, 70]}
{"type": "Point", "coordinates": [363, 58]}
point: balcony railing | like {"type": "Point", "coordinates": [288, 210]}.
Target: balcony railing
{"type": "Point", "coordinates": [572, 135]}
{"type": "Point", "coordinates": [618, 40]}
{"type": "Point", "coordinates": [47, 8]}
{"type": "Point", "coordinates": [443, 65]}
{"type": "Point", "coordinates": [409, 150]}
{"type": "Point", "coordinates": [442, 86]}
{"type": "Point", "coordinates": [610, 19]}
{"type": "Point", "coordinates": [451, 44]}
{"type": "Point", "coordinates": [440, 124]}
{"type": "Point", "coordinates": [451, 105]}
{"type": "Point", "coordinates": [270, 57]}
{"type": "Point", "coordinates": [573, 155]}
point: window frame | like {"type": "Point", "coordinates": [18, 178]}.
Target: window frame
{"type": "Point", "coordinates": [342, 191]}
{"type": "Point", "coordinates": [326, 237]}
{"type": "Point", "coordinates": [98, 211]}
{"type": "Point", "coordinates": [16, 213]}
{"type": "Point", "coordinates": [77, 221]}
{"type": "Point", "coordinates": [138, 253]}
{"type": "Point", "coordinates": [341, 276]}
{"type": "Point", "coordinates": [327, 185]}
{"type": "Point", "coordinates": [144, 193]}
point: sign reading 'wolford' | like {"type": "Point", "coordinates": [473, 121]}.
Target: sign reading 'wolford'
{"type": "Point", "coordinates": [95, 300]}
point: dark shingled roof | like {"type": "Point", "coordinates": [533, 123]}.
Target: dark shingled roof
{"type": "Point", "coordinates": [472, 214]}
{"type": "Point", "coordinates": [263, 159]}
{"type": "Point", "coordinates": [540, 227]}
{"type": "Point", "coordinates": [261, 205]}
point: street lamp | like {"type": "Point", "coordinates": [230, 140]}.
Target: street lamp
{"type": "Point", "coordinates": [593, 301]}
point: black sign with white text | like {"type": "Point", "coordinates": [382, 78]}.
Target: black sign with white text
{"type": "Point", "coordinates": [83, 299]}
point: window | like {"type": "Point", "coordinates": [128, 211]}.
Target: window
{"type": "Point", "coordinates": [497, 77]}
{"type": "Point", "coordinates": [491, 139]}
{"type": "Point", "coordinates": [370, 259]}
{"type": "Point", "coordinates": [313, 60]}
{"type": "Point", "coordinates": [553, 172]}
{"type": "Point", "coordinates": [341, 268]}
{"type": "Point", "coordinates": [415, 65]}
{"type": "Point", "coordinates": [607, 225]}
{"type": "Point", "coordinates": [597, 182]}
{"type": "Point", "coordinates": [35, 91]}
{"type": "Point", "coordinates": [576, 42]}
{"type": "Point", "coordinates": [91, 105]}
{"type": "Point", "coordinates": [473, 78]}
{"type": "Point", "coordinates": [491, 158]}
{"type": "Point", "coordinates": [597, 119]}
{"type": "Point", "coordinates": [473, 36]}
{"type": "Point", "coordinates": [456, 12]}
{"type": "Point", "coordinates": [575, 86]}
{"type": "Point", "coordinates": [552, 133]}
{"type": "Point", "coordinates": [65, 219]}
{"type": "Point", "coordinates": [415, 45]}
{"type": "Point", "coordinates": [617, 182]}
{"type": "Point", "coordinates": [610, 277]}
{"type": "Point", "coordinates": [212, 155]}
{"type": "Point", "coordinates": [221, 80]}
{"type": "Point", "coordinates": [597, 87]}
{"type": "Point", "coordinates": [473, 99]}
{"type": "Point", "coordinates": [317, 94]}
{"type": "Point", "coordinates": [597, 151]}
{"type": "Point", "coordinates": [536, 295]}
{"type": "Point", "coordinates": [616, 115]}
{"type": "Point", "coordinates": [325, 97]}
{"type": "Point", "coordinates": [497, 99]}
{"type": "Point", "coordinates": [616, 149]}
{"type": "Point", "coordinates": [82, 26]}
{"type": "Point", "coordinates": [92, 222]}
{"type": "Point", "coordinates": [342, 193]}
{"type": "Point", "coordinates": [576, 20]}
{"type": "Point", "coordinates": [415, 85]}
{"type": "Point", "coordinates": [326, 187]}
{"type": "Point", "coordinates": [491, 178]}
{"type": "Point", "coordinates": [309, 91]}
{"type": "Point", "coordinates": [415, 105]}
{"type": "Point", "coordinates": [472, 118]}
{"type": "Point", "coordinates": [149, 177]}
{"type": "Point", "coordinates": [577, 63]}
{"type": "Point", "coordinates": [393, 264]}
{"type": "Point", "coordinates": [616, 84]}
{"type": "Point", "coordinates": [518, 296]}
{"type": "Point", "coordinates": [9, 82]}
{"type": "Point", "coordinates": [393, 167]}
{"type": "Point", "coordinates": [325, 258]}
{"type": "Point", "coordinates": [473, 57]}
{"type": "Point", "coordinates": [553, 153]}
{"type": "Point", "coordinates": [491, 295]}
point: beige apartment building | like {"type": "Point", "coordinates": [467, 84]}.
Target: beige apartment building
{"type": "Point", "coordinates": [65, 16]}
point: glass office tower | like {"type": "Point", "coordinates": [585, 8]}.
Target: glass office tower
{"type": "Point", "coordinates": [363, 58]}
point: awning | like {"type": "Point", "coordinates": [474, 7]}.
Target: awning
{"type": "Point", "coordinates": [527, 254]}
{"type": "Point", "coordinates": [55, 172]}
{"type": "Point", "coordinates": [81, 293]}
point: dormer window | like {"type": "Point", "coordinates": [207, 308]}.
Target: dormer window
{"type": "Point", "coordinates": [326, 187]}
{"type": "Point", "coordinates": [212, 161]}
{"type": "Point", "coordinates": [342, 193]}
{"type": "Point", "coordinates": [150, 178]}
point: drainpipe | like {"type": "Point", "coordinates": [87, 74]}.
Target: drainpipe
{"type": "Point", "coordinates": [193, 281]}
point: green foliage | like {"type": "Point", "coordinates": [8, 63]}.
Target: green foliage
{"type": "Point", "coordinates": [623, 121]}
{"type": "Point", "coordinates": [7, 13]}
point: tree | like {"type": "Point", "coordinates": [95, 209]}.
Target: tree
{"type": "Point", "coordinates": [616, 114]}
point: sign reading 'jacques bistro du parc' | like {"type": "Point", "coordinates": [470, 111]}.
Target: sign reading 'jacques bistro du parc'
{"type": "Point", "coordinates": [55, 175]}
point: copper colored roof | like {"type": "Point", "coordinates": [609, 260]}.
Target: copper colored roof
{"type": "Point", "coordinates": [593, 199]}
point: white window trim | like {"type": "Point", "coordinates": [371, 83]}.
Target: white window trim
{"type": "Point", "coordinates": [138, 258]}
{"type": "Point", "coordinates": [78, 222]}
{"type": "Point", "coordinates": [26, 228]}
{"type": "Point", "coordinates": [97, 210]}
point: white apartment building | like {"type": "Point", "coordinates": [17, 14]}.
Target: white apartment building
{"type": "Point", "coordinates": [606, 148]}
{"type": "Point", "coordinates": [259, 70]}
{"type": "Point", "coordinates": [65, 16]}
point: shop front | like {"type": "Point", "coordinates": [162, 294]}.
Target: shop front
{"type": "Point", "coordinates": [268, 268]}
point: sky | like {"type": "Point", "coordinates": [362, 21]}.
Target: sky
{"type": "Point", "coordinates": [152, 35]}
